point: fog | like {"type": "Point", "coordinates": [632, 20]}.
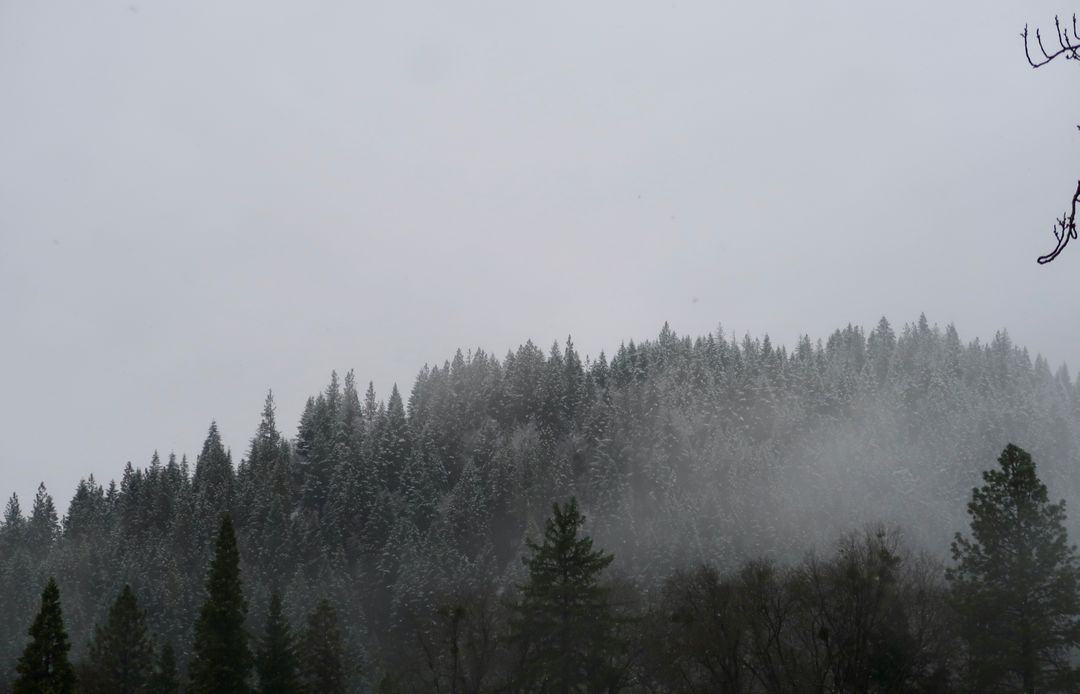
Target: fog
{"type": "Point", "coordinates": [202, 201]}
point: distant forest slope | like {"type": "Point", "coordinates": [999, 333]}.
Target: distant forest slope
{"type": "Point", "coordinates": [679, 450]}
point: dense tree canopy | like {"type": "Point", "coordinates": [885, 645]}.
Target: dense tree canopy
{"type": "Point", "coordinates": [410, 514]}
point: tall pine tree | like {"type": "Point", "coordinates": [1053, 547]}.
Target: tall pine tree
{"type": "Point", "coordinates": [1016, 583]}
{"type": "Point", "coordinates": [44, 667]}
{"type": "Point", "coordinates": [121, 656]}
{"type": "Point", "coordinates": [221, 661]}
{"type": "Point", "coordinates": [323, 652]}
{"type": "Point", "coordinates": [564, 622]}
{"type": "Point", "coordinates": [275, 662]}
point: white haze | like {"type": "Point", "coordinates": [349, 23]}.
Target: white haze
{"type": "Point", "coordinates": [200, 201]}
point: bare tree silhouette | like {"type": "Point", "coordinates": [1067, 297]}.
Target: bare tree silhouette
{"type": "Point", "coordinates": [1069, 47]}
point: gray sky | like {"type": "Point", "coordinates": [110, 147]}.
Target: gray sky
{"type": "Point", "coordinates": [203, 200]}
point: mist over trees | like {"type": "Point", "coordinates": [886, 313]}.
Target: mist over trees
{"type": "Point", "coordinates": [706, 467]}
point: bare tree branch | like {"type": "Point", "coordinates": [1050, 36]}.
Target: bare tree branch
{"type": "Point", "coordinates": [1070, 45]}
{"type": "Point", "coordinates": [1064, 228]}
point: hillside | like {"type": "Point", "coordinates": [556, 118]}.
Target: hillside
{"type": "Point", "coordinates": [679, 450]}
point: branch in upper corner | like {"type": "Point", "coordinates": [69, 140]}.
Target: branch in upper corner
{"type": "Point", "coordinates": [1064, 228]}
{"type": "Point", "coordinates": [1069, 44]}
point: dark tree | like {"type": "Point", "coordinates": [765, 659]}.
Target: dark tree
{"type": "Point", "coordinates": [564, 622]}
{"type": "Point", "coordinates": [164, 679]}
{"type": "Point", "coordinates": [700, 634]}
{"type": "Point", "coordinates": [43, 526]}
{"type": "Point", "coordinates": [121, 655]}
{"type": "Point", "coordinates": [1015, 583]}
{"type": "Point", "coordinates": [213, 488]}
{"type": "Point", "coordinates": [853, 606]}
{"type": "Point", "coordinates": [221, 660]}
{"type": "Point", "coordinates": [1067, 48]}
{"type": "Point", "coordinates": [275, 663]}
{"type": "Point", "coordinates": [323, 652]}
{"type": "Point", "coordinates": [44, 667]}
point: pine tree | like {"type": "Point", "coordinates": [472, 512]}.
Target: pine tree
{"type": "Point", "coordinates": [13, 518]}
{"type": "Point", "coordinates": [86, 514]}
{"type": "Point", "coordinates": [265, 445]}
{"type": "Point", "coordinates": [392, 441]}
{"type": "Point", "coordinates": [1016, 583]}
{"type": "Point", "coordinates": [11, 527]}
{"type": "Point", "coordinates": [255, 469]}
{"type": "Point", "coordinates": [221, 660]}
{"type": "Point", "coordinates": [371, 406]}
{"type": "Point", "coordinates": [43, 527]}
{"type": "Point", "coordinates": [275, 662]}
{"type": "Point", "coordinates": [322, 652]}
{"type": "Point", "coordinates": [214, 479]}
{"type": "Point", "coordinates": [121, 656]}
{"type": "Point", "coordinates": [164, 679]}
{"type": "Point", "coordinates": [564, 622]}
{"type": "Point", "coordinates": [44, 667]}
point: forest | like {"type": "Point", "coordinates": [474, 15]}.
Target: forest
{"type": "Point", "coordinates": [688, 514]}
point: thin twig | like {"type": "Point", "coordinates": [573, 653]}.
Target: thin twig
{"type": "Point", "coordinates": [1064, 228]}
{"type": "Point", "coordinates": [1067, 226]}
{"type": "Point", "coordinates": [1070, 50]}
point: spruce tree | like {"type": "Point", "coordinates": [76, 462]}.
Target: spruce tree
{"type": "Point", "coordinates": [323, 653]}
{"type": "Point", "coordinates": [43, 526]}
{"type": "Point", "coordinates": [12, 524]}
{"type": "Point", "coordinates": [221, 660]}
{"type": "Point", "coordinates": [44, 667]}
{"type": "Point", "coordinates": [392, 441]}
{"type": "Point", "coordinates": [121, 655]}
{"type": "Point", "coordinates": [275, 662]}
{"type": "Point", "coordinates": [164, 680]}
{"type": "Point", "coordinates": [213, 485]}
{"type": "Point", "coordinates": [1015, 583]}
{"type": "Point", "coordinates": [564, 622]}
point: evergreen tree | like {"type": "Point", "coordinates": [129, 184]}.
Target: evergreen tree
{"type": "Point", "coordinates": [371, 406]}
{"type": "Point", "coordinates": [221, 660]}
{"type": "Point", "coordinates": [13, 519]}
{"type": "Point", "coordinates": [164, 679]}
{"type": "Point", "coordinates": [254, 470]}
{"type": "Point", "coordinates": [1016, 582]}
{"type": "Point", "coordinates": [265, 445]}
{"type": "Point", "coordinates": [121, 655]}
{"type": "Point", "coordinates": [392, 441]}
{"type": "Point", "coordinates": [213, 467]}
{"type": "Point", "coordinates": [564, 622]}
{"type": "Point", "coordinates": [44, 667]}
{"type": "Point", "coordinates": [214, 479]}
{"type": "Point", "coordinates": [323, 652]}
{"type": "Point", "coordinates": [43, 527]}
{"type": "Point", "coordinates": [86, 513]}
{"type": "Point", "coordinates": [275, 662]}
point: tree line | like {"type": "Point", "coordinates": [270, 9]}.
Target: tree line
{"type": "Point", "coordinates": [682, 452]}
{"type": "Point", "coordinates": [871, 618]}
{"type": "Point", "coordinates": [122, 657]}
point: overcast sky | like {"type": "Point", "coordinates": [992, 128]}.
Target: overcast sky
{"type": "Point", "coordinates": [200, 201]}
